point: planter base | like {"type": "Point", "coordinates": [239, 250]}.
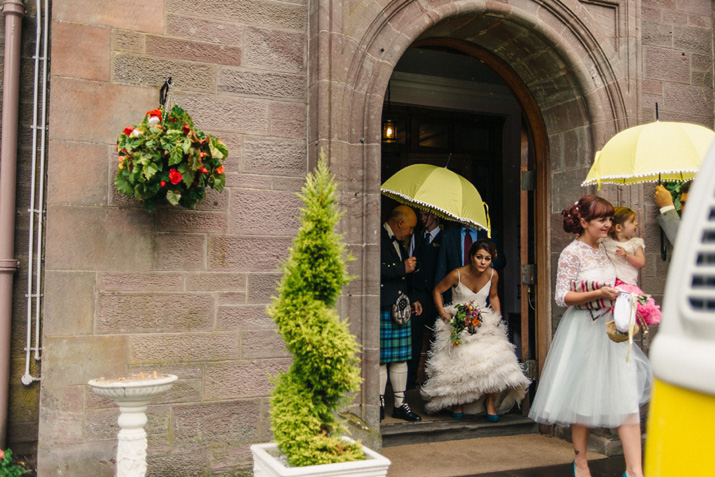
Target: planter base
{"type": "Point", "coordinates": [266, 464]}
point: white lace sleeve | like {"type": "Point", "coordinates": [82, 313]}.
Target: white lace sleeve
{"type": "Point", "coordinates": [638, 242]}
{"type": "Point", "coordinates": [569, 265]}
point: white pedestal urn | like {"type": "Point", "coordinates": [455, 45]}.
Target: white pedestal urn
{"type": "Point", "coordinates": [132, 394]}
{"type": "Point", "coordinates": [267, 462]}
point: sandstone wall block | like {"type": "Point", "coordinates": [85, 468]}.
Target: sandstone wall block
{"type": "Point", "coordinates": [247, 317]}
{"type": "Point", "coordinates": [190, 221]}
{"type": "Point", "coordinates": [222, 112]}
{"type": "Point", "coordinates": [213, 423]}
{"type": "Point", "coordinates": [204, 30]}
{"type": "Point", "coordinates": [85, 458]}
{"type": "Point", "coordinates": [262, 344]}
{"type": "Point", "coordinates": [260, 212]}
{"type": "Point", "coordinates": [148, 71]}
{"type": "Point", "coordinates": [257, 12]}
{"type": "Point", "coordinates": [127, 41]}
{"type": "Point", "coordinates": [145, 16]}
{"type": "Point", "coordinates": [78, 162]}
{"type": "Point", "coordinates": [154, 312]}
{"type": "Point", "coordinates": [80, 51]}
{"type": "Point", "coordinates": [262, 287]}
{"type": "Point", "coordinates": [140, 282]}
{"type": "Point", "coordinates": [242, 379]}
{"type": "Point", "coordinates": [180, 252]}
{"type": "Point", "coordinates": [247, 253]}
{"type": "Point", "coordinates": [261, 84]}
{"type": "Point", "coordinates": [74, 115]}
{"type": "Point", "coordinates": [61, 417]}
{"type": "Point", "coordinates": [69, 303]}
{"type": "Point", "coordinates": [100, 356]}
{"type": "Point", "coordinates": [192, 51]}
{"type": "Point", "coordinates": [274, 156]}
{"type": "Point", "coordinates": [183, 348]}
{"type": "Point", "coordinates": [216, 281]}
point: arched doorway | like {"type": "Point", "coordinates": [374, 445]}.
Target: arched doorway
{"type": "Point", "coordinates": [451, 108]}
{"type": "Point", "coordinates": [572, 97]}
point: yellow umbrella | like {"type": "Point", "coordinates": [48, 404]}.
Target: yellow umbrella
{"type": "Point", "coordinates": [659, 151]}
{"type": "Point", "coordinates": [441, 191]}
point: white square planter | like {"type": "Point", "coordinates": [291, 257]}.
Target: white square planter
{"type": "Point", "coordinates": [266, 464]}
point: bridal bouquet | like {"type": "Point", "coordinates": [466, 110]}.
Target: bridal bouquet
{"type": "Point", "coordinates": [467, 318]}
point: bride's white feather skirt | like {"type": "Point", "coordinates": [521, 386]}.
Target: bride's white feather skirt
{"type": "Point", "coordinates": [484, 363]}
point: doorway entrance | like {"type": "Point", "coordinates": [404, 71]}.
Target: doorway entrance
{"type": "Point", "coordinates": [452, 110]}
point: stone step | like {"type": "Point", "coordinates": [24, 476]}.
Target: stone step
{"type": "Point", "coordinates": [448, 429]}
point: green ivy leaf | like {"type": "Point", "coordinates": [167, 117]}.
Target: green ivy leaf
{"type": "Point", "coordinates": [120, 182]}
{"type": "Point", "coordinates": [173, 197]}
{"type": "Point", "coordinates": [219, 182]}
{"type": "Point", "coordinates": [176, 155]}
{"type": "Point", "coordinates": [218, 148]}
{"type": "Point", "coordinates": [149, 171]}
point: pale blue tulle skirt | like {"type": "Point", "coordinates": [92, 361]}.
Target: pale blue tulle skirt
{"type": "Point", "coordinates": [586, 379]}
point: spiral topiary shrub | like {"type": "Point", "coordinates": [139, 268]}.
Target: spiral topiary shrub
{"type": "Point", "coordinates": [325, 364]}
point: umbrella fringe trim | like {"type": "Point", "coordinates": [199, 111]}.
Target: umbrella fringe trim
{"type": "Point", "coordinates": [611, 178]}
{"type": "Point", "coordinates": [441, 212]}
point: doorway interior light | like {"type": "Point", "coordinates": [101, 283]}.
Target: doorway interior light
{"type": "Point", "coordinates": [389, 132]}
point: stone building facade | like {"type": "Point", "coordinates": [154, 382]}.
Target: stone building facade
{"type": "Point", "coordinates": [185, 291]}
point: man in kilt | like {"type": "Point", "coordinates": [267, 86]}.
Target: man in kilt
{"type": "Point", "coordinates": [395, 339]}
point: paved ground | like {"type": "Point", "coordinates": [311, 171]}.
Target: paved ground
{"type": "Point", "coordinates": [529, 455]}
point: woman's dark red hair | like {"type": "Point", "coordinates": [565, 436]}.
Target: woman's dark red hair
{"type": "Point", "coordinates": [588, 207]}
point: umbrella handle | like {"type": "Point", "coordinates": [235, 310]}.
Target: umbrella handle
{"type": "Point", "coordinates": [663, 251]}
{"type": "Point", "coordinates": [489, 220]}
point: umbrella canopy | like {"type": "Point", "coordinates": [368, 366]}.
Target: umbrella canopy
{"type": "Point", "coordinates": [441, 191]}
{"type": "Point", "coordinates": [658, 151]}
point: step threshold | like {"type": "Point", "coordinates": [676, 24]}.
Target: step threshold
{"type": "Point", "coordinates": [406, 433]}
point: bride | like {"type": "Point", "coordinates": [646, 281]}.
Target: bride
{"type": "Point", "coordinates": [482, 368]}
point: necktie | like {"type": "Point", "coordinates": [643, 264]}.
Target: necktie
{"type": "Point", "coordinates": [467, 245]}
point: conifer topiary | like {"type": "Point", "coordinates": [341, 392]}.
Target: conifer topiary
{"type": "Point", "coordinates": [325, 364]}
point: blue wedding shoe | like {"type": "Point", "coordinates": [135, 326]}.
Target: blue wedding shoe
{"type": "Point", "coordinates": [492, 417]}
{"type": "Point", "coordinates": [458, 415]}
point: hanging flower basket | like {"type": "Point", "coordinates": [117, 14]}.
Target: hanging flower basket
{"type": "Point", "coordinates": [165, 159]}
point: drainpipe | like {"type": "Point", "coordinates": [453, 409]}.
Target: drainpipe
{"type": "Point", "coordinates": [14, 11]}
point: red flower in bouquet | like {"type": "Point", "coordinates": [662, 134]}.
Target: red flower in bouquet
{"type": "Point", "coordinates": [174, 176]}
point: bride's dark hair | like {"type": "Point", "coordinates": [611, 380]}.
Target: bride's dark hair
{"type": "Point", "coordinates": [588, 207]}
{"type": "Point", "coordinates": [483, 244]}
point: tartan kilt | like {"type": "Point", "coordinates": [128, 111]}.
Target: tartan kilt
{"type": "Point", "coordinates": [395, 340]}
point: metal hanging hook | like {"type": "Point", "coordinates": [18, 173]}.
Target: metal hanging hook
{"type": "Point", "coordinates": [165, 92]}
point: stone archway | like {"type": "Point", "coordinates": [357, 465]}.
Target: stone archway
{"type": "Point", "coordinates": [564, 70]}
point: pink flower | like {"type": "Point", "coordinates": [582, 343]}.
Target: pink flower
{"type": "Point", "coordinates": [128, 130]}
{"type": "Point", "coordinates": [174, 176]}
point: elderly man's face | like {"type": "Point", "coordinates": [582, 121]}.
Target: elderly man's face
{"type": "Point", "coordinates": [405, 227]}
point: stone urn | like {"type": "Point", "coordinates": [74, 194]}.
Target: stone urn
{"type": "Point", "coordinates": [132, 394]}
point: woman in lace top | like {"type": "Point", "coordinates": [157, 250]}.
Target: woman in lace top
{"type": "Point", "coordinates": [586, 381]}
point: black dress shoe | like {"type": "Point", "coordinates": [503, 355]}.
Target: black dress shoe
{"type": "Point", "coordinates": [405, 413]}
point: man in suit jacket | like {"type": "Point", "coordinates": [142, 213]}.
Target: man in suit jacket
{"type": "Point", "coordinates": [425, 247]}
{"type": "Point", "coordinates": [395, 339]}
{"type": "Point", "coordinates": [668, 217]}
{"type": "Point", "coordinates": [452, 253]}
